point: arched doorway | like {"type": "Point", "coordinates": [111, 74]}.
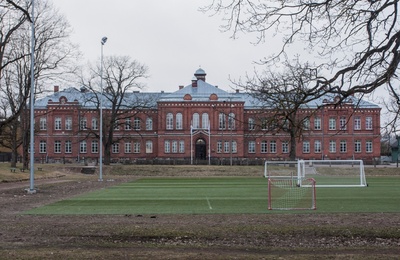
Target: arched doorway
{"type": "Point", "coordinates": [200, 149]}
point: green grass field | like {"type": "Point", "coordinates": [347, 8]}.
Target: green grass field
{"type": "Point", "coordinates": [221, 195]}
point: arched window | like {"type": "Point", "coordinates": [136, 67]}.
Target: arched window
{"type": "Point", "coordinates": [179, 123]}
{"type": "Point", "coordinates": [149, 123]}
{"type": "Point", "coordinates": [252, 124]}
{"type": "Point", "coordinates": [222, 121]}
{"type": "Point", "coordinates": [231, 121]}
{"type": "Point", "coordinates": [204, 120]}
{"type": "Point", "coordinates": [170, 121]}
{"type": "Point", "coordinates": [196, 120]}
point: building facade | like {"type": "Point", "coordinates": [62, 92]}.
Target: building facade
{"type": "Point", "coordinates": [201, 122]}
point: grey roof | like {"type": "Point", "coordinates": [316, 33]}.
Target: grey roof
{"type": "Point", "coordinates": [200, 93]}
{"type": "Point", "coordinates": [88, 99]}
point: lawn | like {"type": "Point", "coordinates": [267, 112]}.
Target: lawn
{"type": "Point", "coordinates": [221, 195]}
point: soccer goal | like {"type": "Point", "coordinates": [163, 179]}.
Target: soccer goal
{"type": "Point", "coordinates": [285, 193]}
{"type": "Point", "coordinates": [333, 173]}
{"type": "Point", "coordinates": [281, 169]}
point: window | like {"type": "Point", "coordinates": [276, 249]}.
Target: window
{"type": "Point", "coordinates": [68, 147]}
{"type": "Point", "coordinates": [317, 123]}
{"type": "Point", "coordinates": [231, 121]}
{"type": "Point", "coordinates": [357, 146]}
{"type": "Point", "coordinates": [68, 123]}
{"type": "Point", "coordinates": [115, 148]}
{"type": "Point", "coordinates": [128, 124]}
{"type": "Point", "coordinates": [83, 147]}
{"type": "Point", "coordinates": [181, 146]}
{"type": "Point", "coordinates": [234, 147]}
{"type": "Point", "coordinates": [306, 146]}
{"type": "Point", "coordinates": [357, 123]}
{"type": "Point", "coordinates": [285, 147]}
{"type": "Point", "coordinates": [57, 123]}
{"type": "Point", "coordinates": [174, 147]}
{"type": "Point", "coordinates": [83, 123]}
{"type": "Point", "coordinates": [149, 123]}
{"type": "Point", "coordinates": [226, 147]}
{"type": "Point", "coordinates": [196, 121]}
{"type": "Point", "coordinates": [252, 146]}
{"type": "Point", "coordinates": [204, 121]}
{"type": "Point", "coordinates": [136, 147]}
{"type": "Point", "coordinates": [95, 125]}
{"type": "Point", "coordinates": [222, 121]}
{"type": "Point", "coordinates": [136, 123]}
{"type": "Point", "coordinates": [272, 146]}
{"type": "Point", "coordinates": [149, 146]}
{"type": "Point", "coordinates": [343, 146]}
{"type": "Point", "coordinates": [42, 147]}
{"type": "Point", "coordinates": [219, 146]}
{"type": "Point", "coordinates": [306, 123]}
{"type": "Point", "coordinates": [368, 123]}
{"type": "Point", "coordinates": [57, 146]}
{"type": "Point", "coordinates": [343, 122]}
{"type": "Point", "coordinates": [332, 123]}
{"type": "Point", "coordinates": [43, 123]}
{"type": "Point", "coordinates": [95, 146]}
{"type": "Point", "coordinates": [128, 147]}
{"type": "Point", "coordinates": [332, 146]}
{"type": "Point", "coordinates": [368, 146]}
{"type": "Point", "coordinates": [167, 147]}
{"type": "Point", "coordinates": [252, 125]}
{"type": "Point", "coordinates": [317, 146]}
{"type": "Point", "coordinates": [264, 147]}
{"type": "Point", "coordinates": [264, 124]}
{"type": "Point", "coordinates": [170, 121]}
{"type": "Point", "coordinates": [116, 124]}
{"type": "Point", "coordinates": [179, 121]}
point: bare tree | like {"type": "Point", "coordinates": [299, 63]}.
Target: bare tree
{"type": "Point", "coordinates": [281, 96]}
{"type": "Point", "coordinates": [357, 42]}
{"type": "Point", "coordinates": [122, 79]}
{"type": "Point", "coordinates": [54, 57]}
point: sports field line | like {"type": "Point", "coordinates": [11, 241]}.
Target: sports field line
{"type": "Point", "coordinates": [209, 204]}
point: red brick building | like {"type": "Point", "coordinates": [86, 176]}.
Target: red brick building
{"type": "Point", "coordinates": [201, 122]}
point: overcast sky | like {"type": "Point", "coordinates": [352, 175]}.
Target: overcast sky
{"type": "Point", "coordinates": [172, 37]}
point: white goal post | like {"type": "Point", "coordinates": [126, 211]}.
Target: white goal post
{"type": "Point", "coordinates": [327, 173]}
{"type": "Point", "coordinates": [333, 173]}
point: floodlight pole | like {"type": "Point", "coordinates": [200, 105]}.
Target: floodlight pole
{"type": "Point", "coordinates": [103, 41]}
{"type": "Point", "coordinates": [32, 101]}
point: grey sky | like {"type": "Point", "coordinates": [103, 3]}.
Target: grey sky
{"type": "Point", "coordinates": [171, 37]}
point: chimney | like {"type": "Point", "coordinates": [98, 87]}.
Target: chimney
{"type": "Point", "coordinates": [237, 90]}
{"type": "Point", "coordinates": [56, 89]}
{"type": "Point", "coordinates": [180, 87]}
{"type": "Point", "coordinates": [194, 82]}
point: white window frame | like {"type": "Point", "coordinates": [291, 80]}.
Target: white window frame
{"type": "Point", "coordinates": [167, 146]}
{"type": "Point", "coordinates": [252, 147]}
{"type": "Point", "coordinates": [83, 147]}
{"type": "Point", "coordinates": [42, 146]}
{"type": "Point", "coordinates": [95, 146]}
{"type": "Point", "coordinates": [149, 123]}
{"type": "Point", "coordinates": [196, 121]}
{"type": "Point", "coordinates": [343, 146]}
{"type": "Point", "coordinates": [170, 121]}
{"type": "Point", "coordinates": [205, 121]}
{"type": "Point", "coordinates": [357, 123]}
{"type": "Point", "coordinates": [368, 146]}
{"type": "Point", "coordinates": [95, 125]}
{"type": "Point", "coordinates": [306, 146]}
{"type": "Point", "coordinates": [332, 146]}
{"type": "Point", "coordinates": [264, 146]}
{"type": "Point", "coordinates": [149, 146]}
{"type": "Point", "coordinates": [57, 123]}
{"type": "Point", "coordinates": [68, 123]}
{"type": "Point", "coordinates": [57, 146]}
{"type": "Point", "coordinates": [368, 123]}
{"type": "Point", "coordinates": [317, 146]}
{"type": "Point", "coordinates": [68, 146]}
{"type": "Point", "coordinates": [43, 123]}
{"type": "Point", "coordinates": [136, 147]}
{"type": "Point", "coordinates": [179, 121]}
{"type": "Point", "coordinates": [317, 123]}
{"type": "Point", "coordinates": [285, 147]}
{"type": "Point", "coordinates": [115, 148]}
{"type": "Point", "coordinates": [332, 123]}
{"type": "Point", "coordinates": [357, 146]}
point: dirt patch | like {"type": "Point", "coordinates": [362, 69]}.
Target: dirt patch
{"type": "Point", "coordinates": [259, 236]}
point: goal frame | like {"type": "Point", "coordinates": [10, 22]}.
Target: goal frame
{"type": "Point", "coordinates": [311, 186]}
{"type": "Point", "coordinates": [362, 183]}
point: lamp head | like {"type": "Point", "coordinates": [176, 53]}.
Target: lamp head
{"type": "Point", "coordinates": [103, 40]}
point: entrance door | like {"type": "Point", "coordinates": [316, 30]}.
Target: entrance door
{"type": "Point", "coordinates": [200, 150]}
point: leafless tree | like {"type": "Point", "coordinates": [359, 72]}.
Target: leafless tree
{"type": "Point", "coordinates": [121, 79]}
{"type": "Point", "coordinates": [281, 97]}
{"type": "Point", "coordinates": [54, 57]}
{"type": "Point", "coordinates": [357, 42]}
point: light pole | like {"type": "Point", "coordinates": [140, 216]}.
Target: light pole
{"type": "Point", "coordinates": [103, 41]}
{"type": "Point", "coordinates": [32, 101]}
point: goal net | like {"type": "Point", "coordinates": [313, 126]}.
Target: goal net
{"type": "Point", "coordinates": [333, 173]}
{"type": "Point", "coordinates": [285, 193]}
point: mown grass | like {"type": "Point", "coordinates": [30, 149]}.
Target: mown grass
{"type": "Point", "coordinates": [221, 195]}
